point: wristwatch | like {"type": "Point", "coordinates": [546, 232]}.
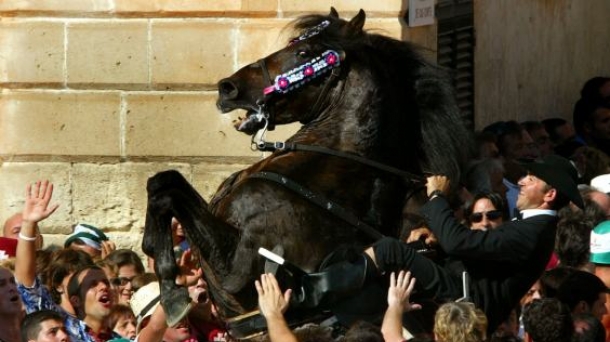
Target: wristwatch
{"type": "Point", "coordinates": [435, 193]}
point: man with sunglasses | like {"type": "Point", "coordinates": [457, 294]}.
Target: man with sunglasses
{"type": "Point", "coordinates": [486, 211]}
{"type": "Point", "coordinates": [501, 263]}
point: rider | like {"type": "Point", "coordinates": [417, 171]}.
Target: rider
{"type": "Point", "coordinates": [502, 263]}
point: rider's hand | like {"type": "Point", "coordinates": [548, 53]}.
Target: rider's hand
{"type": "Point", "coordinates": [437, 182]}
{"type": "Point", "coordinates": [417, 233]}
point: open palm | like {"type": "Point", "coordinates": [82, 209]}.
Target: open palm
{"type": "Point", "coordinates": [37, 200]}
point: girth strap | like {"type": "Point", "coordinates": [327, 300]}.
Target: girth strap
{"type": "Point", "coordinates": [321, 201]}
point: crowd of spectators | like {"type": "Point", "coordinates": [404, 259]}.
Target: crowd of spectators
{"type": "Point", "coordinates": [88, 290]}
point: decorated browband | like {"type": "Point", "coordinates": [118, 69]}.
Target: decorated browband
{"type": "Point", "coordinates": [304, 73]}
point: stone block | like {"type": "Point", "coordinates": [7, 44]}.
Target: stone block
{"type": "Point", "coordinates": [113, 196]}
{"type": "Point", "coordinates": [348, 8]}
{"type": "Point", "coordinates": [108, 53]}
{"type": "Point", "coordinates": [196, 52]}
{"type": "Point", "coordinates": [14, 178]}
{"type": "Point", "coordinates": [63, 6]}
{"type": "Point", "coordinates": [32, 51]}
{"type": "Point", "coordinates": [180, 124]}
{"type": "Point", "coordinates": [293, 8]}
{"type": "Point", "coordinates": [186, 125]}
{"type": "Point", "coordinates": [390, 27]}
{"type": "Point", "coordinates": [59, 123]}
{"type": "Point", "coordinates": [259, 38]}
{"type": "Point", "coordinates": [184, 7]}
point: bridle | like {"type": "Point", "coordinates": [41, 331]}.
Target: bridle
{"type": "Point", "coordinates": [328, 62]}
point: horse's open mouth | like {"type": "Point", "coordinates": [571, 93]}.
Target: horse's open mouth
{"type": "Point", "coordinates": [251, 123]}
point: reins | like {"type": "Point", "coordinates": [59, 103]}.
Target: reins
{"type": "Point", "coordinates": [409, 177]}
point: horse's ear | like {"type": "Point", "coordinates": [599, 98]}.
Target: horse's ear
{"type": "Point", "coordinates": [333, 13]}
{"type": "Point", "coordinates": [357, 22]}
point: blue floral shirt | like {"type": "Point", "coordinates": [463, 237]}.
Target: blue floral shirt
{"type": "Point", "coordinates": [38, 298]}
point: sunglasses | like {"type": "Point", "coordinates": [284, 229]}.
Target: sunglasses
{"type": "Point", "coordinates": [491, 215]}
{"type": "Point", "coordinates": [121, 281]}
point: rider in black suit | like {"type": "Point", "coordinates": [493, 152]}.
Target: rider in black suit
{"type": "Point", "coordinates": [502, 263]}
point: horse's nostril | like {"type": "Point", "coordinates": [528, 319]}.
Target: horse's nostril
{"type": "Point", "coordinates": [227, 89]}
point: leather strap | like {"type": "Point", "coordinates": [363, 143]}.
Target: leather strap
{"type": "Point", "coordinates": [321, 201]}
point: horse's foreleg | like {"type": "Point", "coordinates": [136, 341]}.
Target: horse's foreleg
{"type": "Point", "coordinates": [157, 243]}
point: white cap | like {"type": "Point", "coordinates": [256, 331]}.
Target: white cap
{"type": "Point", "coordinates": [601, 183]}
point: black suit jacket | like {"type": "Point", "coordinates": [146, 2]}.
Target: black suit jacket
{"type": "Point", "coordinates": [502, 263]}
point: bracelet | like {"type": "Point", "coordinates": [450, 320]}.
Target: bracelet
{"type": "Point", "coordinates": [27, 238]}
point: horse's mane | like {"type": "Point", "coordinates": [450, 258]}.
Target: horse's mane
{"type": "Point", "coordinates": [418, 96]}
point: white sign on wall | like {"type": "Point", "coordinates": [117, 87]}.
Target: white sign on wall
{"type": "Point", "coordinates": [421, 12]}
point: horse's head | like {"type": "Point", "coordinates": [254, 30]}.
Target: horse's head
{"type": "Point", "coordinates": [291, 84]}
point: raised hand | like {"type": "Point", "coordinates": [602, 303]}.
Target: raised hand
{"type": "Point", "coordinates": [271, 301]}
{"type": "Point", "coordinates": [400, 291]}
{"type": "Point", "coordinates": [37, 199]}
{"type": "Point", "coordinates": [190, 272]}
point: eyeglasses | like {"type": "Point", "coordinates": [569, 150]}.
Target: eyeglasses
{"type": "Point", "coordinates": [121, 281]}
{"type": "Point", "coordinates": [491, 215]}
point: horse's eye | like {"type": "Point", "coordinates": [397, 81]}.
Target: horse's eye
{"type": "Point", "coordinates": [303, 53]}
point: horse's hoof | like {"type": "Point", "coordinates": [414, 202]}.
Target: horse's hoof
{"type": "Point", "coordinates": [176, 304]}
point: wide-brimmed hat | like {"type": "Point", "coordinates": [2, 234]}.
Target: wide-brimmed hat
{"type": "Point", "coordinates": [88, 234]}
{"type": "Point", "coordinates": [600, 244]}
{"type": "Point", "coordinates": [144, 302]}
{"type": "Point", "coordinates": [560, 174]}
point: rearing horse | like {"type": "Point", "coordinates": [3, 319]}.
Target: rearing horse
{"type": "Point", "coordinates": [371, 99]}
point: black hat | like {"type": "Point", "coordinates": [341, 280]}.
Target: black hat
{"type": "Point", "coordinates": [560, 174]}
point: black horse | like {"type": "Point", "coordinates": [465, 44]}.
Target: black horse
{"type": "Point", "coordinates": [374, 114]}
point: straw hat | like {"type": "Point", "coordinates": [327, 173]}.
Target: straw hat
{"type": "Point", "coordinates": [144, 302]}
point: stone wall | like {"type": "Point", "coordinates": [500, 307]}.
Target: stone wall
{"type": "Point", "coordinates": [99, 95]}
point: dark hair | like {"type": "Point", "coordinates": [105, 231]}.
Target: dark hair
{"type": "Point", "coordinates": [362, 331]}
{"type": "Point", "coordinates": [503, 129]}
{"type": "Point", "coordinates": [589, 95]}
{"type": "Point", "coordinates": [597, 163]}
{"type": "Point", "coordinates": [552, 279]}
{"type": "Point", "coordinates": [532, 125]}
{"type": "Point", "coordinates": [75, 288]}
{"type": "Point", "coordinates": [63, 263]}
{"type": "Point", "coordinates": [410, 221]}
{"type": "Point", "coordinates": [551, 125]}
{"type": "Point", "coordinates": [123, 257]}
{"type": "Point", "coordinates": [116, 312]}
{"type": "Point", "coordinates": [496, 200]}
{"type": "Point", "coordinates": [548, 320]}
{"type": "Point", "coordinates": [573, 239]}
{"type": "Point", "coordinates": [142, 280]}
{"type": "Point", "coordinates": [580, 286]}
{"type": "Point", "coordinates": [594, 214]}
{"type": "Point", "coordinates": [30, 326]}
{"type": "Point", "coordinates": [587, 328]}
{"type": "Point", "coordinates": [585, 110]}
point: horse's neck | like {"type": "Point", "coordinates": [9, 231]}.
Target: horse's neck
{"type": "Point", "coordinates": [350, 121]}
